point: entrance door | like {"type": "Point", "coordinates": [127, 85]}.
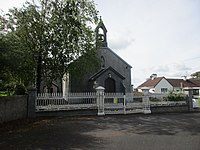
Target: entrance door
{"type": "Point", "coordinates": [110, 85]}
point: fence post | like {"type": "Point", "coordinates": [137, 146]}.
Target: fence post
{"type": "Point", "coordinates": [100, 100]}
{"type": "Point", "coordinates": [32, 97]}
{"type": "Point", "coordinates": [124, 103]}
{"type": "Point", "coordinates": [146, 102]}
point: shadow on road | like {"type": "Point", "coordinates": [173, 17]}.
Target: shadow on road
{"type": "Point", "coordinates": [92, 132]}
{"type": "Point", "coordinates": [163, 124]}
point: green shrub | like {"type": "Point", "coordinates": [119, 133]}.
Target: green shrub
{"type": "Point", "coordinates": [154, 99]}
{"type": "Point", "coordinates": [20, 90]}
{"type": "Point", "coordinates": [175, 98]}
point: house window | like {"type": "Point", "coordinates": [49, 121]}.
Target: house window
{"type": "Point", "coordinates": [195, 92]}
{"type": "Point", "coordinates": [163, 90]}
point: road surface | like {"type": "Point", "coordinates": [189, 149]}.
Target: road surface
{"type": "Point", "coordinates": [179, 131]}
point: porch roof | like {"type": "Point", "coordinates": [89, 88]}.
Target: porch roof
{"type": "Point", "coordinates": [100, 72]}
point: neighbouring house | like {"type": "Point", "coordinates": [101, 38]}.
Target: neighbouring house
{"type": "Point", "coordinates": [162, 85]}
{"type": "Point", "coordinates": [113, 73]}
{"type": "Point", "coordinates": [186, 84]}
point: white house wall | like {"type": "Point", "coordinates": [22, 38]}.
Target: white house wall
{"type": "Point", "coordinates": [163, 84]}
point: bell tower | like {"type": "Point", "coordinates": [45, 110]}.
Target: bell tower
{"type": "Point", "coordinates": [101, 34]}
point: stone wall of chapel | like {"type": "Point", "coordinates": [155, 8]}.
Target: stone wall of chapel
{"type": "Point", "coordinates": [111, 59]}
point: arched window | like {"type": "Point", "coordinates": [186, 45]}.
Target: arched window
{"type": "Point", "coordinates": [101, 34]}
{"type": "Point", "coordinates": [102, 62]}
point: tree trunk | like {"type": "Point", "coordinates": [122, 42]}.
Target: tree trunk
{"type": "Point", "coordinates": [38, 73]}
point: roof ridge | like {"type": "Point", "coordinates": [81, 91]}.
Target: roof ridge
{"type": "Point", "coordinates": [151, 82]}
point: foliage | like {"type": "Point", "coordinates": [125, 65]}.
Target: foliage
{"type": "Point", "coordinates": [20, 89]}
{"type": "Point", "coordinates": [196, 75]}
{"type": "Point", "coordinates": [45, 37]}
{"type": "Point", "coordinates": [16, 65]}
{"type": "Point", "coordinates": [175, 96]}
{"type": "Point", "coordinates": [154, 99]}
{"type": "Point", "coordinates": [3, 93]}
{"type": "Point", "coordinates": [86, 63]}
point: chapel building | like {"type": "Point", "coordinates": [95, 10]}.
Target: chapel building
{"type": "Point", "coordinates": [114, 73]}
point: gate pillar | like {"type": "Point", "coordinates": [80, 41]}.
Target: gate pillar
{"type": "Point", "coordinates": [189, 100]}
{"type": "Point", "coordinates": [32, 97]}
{"type": "Point", "coordinates": [100, 100]}
{"type": "Point", "coordinates": [146, 101]}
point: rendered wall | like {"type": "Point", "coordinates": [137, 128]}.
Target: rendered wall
{"type": "Point", "coordinates": [163, 84]}
{"type": "Point", "coordinates": [13, 108]}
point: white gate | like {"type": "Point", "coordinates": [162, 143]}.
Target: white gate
{"type": "Point", "coordinates": [114, 103]}
{"type": "Point", "coordinates": [118, 103]}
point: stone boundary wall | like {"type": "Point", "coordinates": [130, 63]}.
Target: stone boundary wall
{"type": "Point", "coordinates": [23, 106]}
{"type": "Point", "coordinates": [169, 109]}
{"type": "Point", "coordinates": [70, 113]}
{"type": "Point", "coordinates": [13, 108]}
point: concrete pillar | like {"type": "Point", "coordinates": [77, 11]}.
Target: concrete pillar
{"type": "Point", "coordinates": [146, 101]}
{"type": "Point", "coordinates": [32, 97]}
{"type": "Point", "coordinates": [189, 100]}
{"type": "Point", "coordinates": [65, 85]}
{"type": "Point", "coordinates": [100, 100]}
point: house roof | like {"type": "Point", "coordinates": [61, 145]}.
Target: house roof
{"type": "Point", "coordinates": [195, 81]}
{"type": "Point", "coordinates": [100, 72]}
{"type": "Point", "coordinates": [180, 83]}
{"type": "Point", "coordinates": [174, 82]}
{"type": "Point", "coordinates": [151, 82]}
{"type": "Point", "coordinates": [184, 83]}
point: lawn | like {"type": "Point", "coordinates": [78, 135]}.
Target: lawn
{"type": "Point", "coordinates": [3, 93]}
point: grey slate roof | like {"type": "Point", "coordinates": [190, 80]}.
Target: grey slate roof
{"type": "Point", "coordinates": [107, 48]}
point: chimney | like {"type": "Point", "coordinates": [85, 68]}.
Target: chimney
{"type": "Point", "coordinates": [184, 78]}
{"type": "Point", "coordinates": [153, 76]}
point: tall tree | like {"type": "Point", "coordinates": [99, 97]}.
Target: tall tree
{"type": "Point", "coordinates": [53, 33]}
{"type": "Point", "coordinates": [16, 64]}
{"type": "Point", "coordinates": [196, 75]}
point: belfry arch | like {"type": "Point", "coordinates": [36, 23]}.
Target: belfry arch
{"type": "Point", "coordinates": [101, 34]}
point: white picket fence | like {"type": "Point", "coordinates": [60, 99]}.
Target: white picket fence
{"type": "Point", "coordinates": [113, 103]}
{"type": "Point", "coordinates": [57, 101]}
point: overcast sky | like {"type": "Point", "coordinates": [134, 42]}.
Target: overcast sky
{"type": "Point", "coordinates": [153, 36]}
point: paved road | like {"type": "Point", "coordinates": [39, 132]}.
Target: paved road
{"type": "Point", "coordinates": [122, 132]}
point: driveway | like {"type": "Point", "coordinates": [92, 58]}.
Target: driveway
{"type": "Point", "coordinates": [120, 132]}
